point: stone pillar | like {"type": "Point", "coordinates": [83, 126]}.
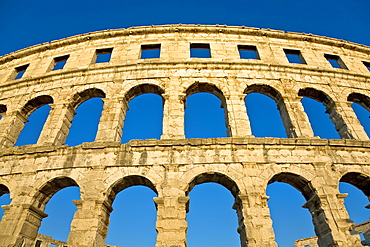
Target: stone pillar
{"type": "Point", "coordinates": [346, 121]}
{"type": "Point", "coordinates": [173, 116]}
{"type": "Point", "coordinates": [12, 124]}
{"type": "Point", "coordinates": [255, 224]}
{"type": "Point", "coordinates": [238, 121]}
{"type": "Point", "coordinates": [22, 229]}
{"type": "Point", "coordinates": [294, 117]}
{"type": "Point", "coordinates": [111, 120]}
{"type": "Point", "coordinates": [331, 223]}
{"type": "Point", "coordinates": [89, 227]}
{"type": "Point", "coordinates": [171, 221]}
{"type": "Point", "coordinates": [57, 125]}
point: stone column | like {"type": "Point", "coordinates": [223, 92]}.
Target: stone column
{"type": "Point", "coordinates": [111, 120]}
{"type": "Point", "coordinates": [255, 224]}
{"type": "Point", "coordinates": [346, 121]}
{"type": "Point", "coordinates": [294, 117]}
{"type": "Point", "coordinates": [339, 211]}
{"type": "Point", "coordinates": [89, 227]}
{"type": "Point", "coordinates": [173, 116]}
{"type": "Point", "coordinates": [57, 125]}
{"type": "Point", "coordinates": [12, 124]}
{"type": "Point", "coordinates": [171, 220]}
{"type": "Point", "coordinates": [238, 121]}
{"type": "Point", "coordinates": [331, 223]}
{"type": "Point", "coordinates": [20, 225]}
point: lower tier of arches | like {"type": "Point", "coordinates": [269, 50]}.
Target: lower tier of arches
{"type": "Point", "coordinates": [32, 175]}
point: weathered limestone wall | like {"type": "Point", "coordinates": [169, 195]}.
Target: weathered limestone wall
{"type": "Point", "coordinates": [172, 166]}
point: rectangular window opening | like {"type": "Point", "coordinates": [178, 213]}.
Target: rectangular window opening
{"type": "Point", "coordinates": [294, 56]}
{"type": "Point", "coordinates": [103, 55]}
{"type": "Point", "coordinates": [59, 62]}
{"type": "Point", "coordinates": [248, 52]}
{"type": "Point", "coordinates": [335, 61]}
{"type": "Point", "coordinates": [200, 51]}
{"type": "Point", "coordinates": [150, 51]}
{"type": "Point", "coordinates": [367, 65]}
{"type": "Point", "coordinates": [19, 71]}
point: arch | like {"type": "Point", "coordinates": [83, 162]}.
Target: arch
{"type": "Point", "coordinates": [87, 94]}
{"type": "Point", "coordinates": [35, 103]}
{"type": "Point", "coordinates": [134, 215]}
{"type": "Point", "coordinates": [212, 218]}
{"type": "Point", "coordinates": [297, 181]}
{"type": "Point", "coordinates": [215, 177]}
{"type": "Point", "coordinates": [360, 99]}
{"type": "Point", "coordinates": [34, 212]}
{"type": "Point", "coordinates": [90, 114]}
{"type": "Point", "coordinates": [359, 180]}
{"type": "Point", "coordinates": [264, 89]}
{"type": "Point", "coordinates": [142, 123]}
{"type": "Point", "coordinates": [229, 184]}
{"type": "Point", "coordinates": [126, 182]}
{"type": "Point", "coordinates": [202, 87]}
{"type": "Point", "coordinates": [29, 126]}
{"type": "Point", "coordinates": [142, 89]}
{"type": "Point", "coordinates": [3, 109]}
{"type": "Point", "coordinates": [330, 107]}
{"type": "Point", "coordinates": [61, 210]}
{"type": "Point", "coordinates": [313, 204]}
{"type": "Point", "coordinates": [356, 189]}
{"type": "Point", "coordinates": [316, 95]}
{"type": "Point", "coordinates": [361, 107]}
{"type": "Point", "coordinates": [4, 190]}
{"type": "Point", "coordinates": [51, 187]}
{"type": "Point", "coordinates": [278, 98]}
{"type": "Point", "coordinates": [290, 221]}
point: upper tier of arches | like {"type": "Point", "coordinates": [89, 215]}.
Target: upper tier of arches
{"type": "Point", "coordinates": [231, 94]}
{"type": "Point", "coordinates": [30, 78]}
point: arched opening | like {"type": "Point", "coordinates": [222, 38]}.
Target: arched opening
{"type": "Point", "coordinates": [88, 107]}
{"type": "Point", "coordinates": [4, 199]}
{"type": "Point", "coordinates": [267, 112]}
{"type": "Point", "coordinates": [145, 113]}
{"type": "Point", "coordinates": [204, 116]}
{"type": "Point", "coordinates": [36, 111]}
{"type": "Point", "coordinates": [60, 210]}
{"type": "Point", "coordinates": [134, 214]}
{"type": "Point", "coordinates": [2, 110]}
{"type": "Point", "coordinates": [287, 229]}
{"type": "Point", "coordinates": [290, 221]}
{"type": "Point", "coordinates": [320, 110]}
{"type": "Point", "coordinates": [55, 199]}
{"type": "Point", "coordinates": [357, 186]}
{"type": "Point", "coordinates": [264, 116]}
{"type": "Point", "coordinates": [361, 106]}
{"type": "Point", "coordinates": [211, 219]}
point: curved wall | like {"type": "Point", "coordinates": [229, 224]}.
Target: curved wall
{"type": "Point", "coordinates": [173, 165]}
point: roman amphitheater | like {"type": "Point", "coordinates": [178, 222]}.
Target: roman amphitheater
{"type": "Point", "coordinates": [331, 71]}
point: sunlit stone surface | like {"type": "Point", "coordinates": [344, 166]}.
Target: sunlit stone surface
{"type": "Point", "coordinates": [173, 165]}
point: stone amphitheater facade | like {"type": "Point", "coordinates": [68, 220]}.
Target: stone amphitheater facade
{"type": "Point", "coordinates": [173, 165]}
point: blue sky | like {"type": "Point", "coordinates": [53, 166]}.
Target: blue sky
{"type": "Point", "coordinates": [25, 23]}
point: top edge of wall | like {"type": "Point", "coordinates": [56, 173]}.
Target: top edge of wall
{"type": "Point", "coordinates": [184, 28]}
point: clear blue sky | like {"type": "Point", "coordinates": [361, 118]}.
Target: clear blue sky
{"type": "Point", "coordinates": [25, 23]}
